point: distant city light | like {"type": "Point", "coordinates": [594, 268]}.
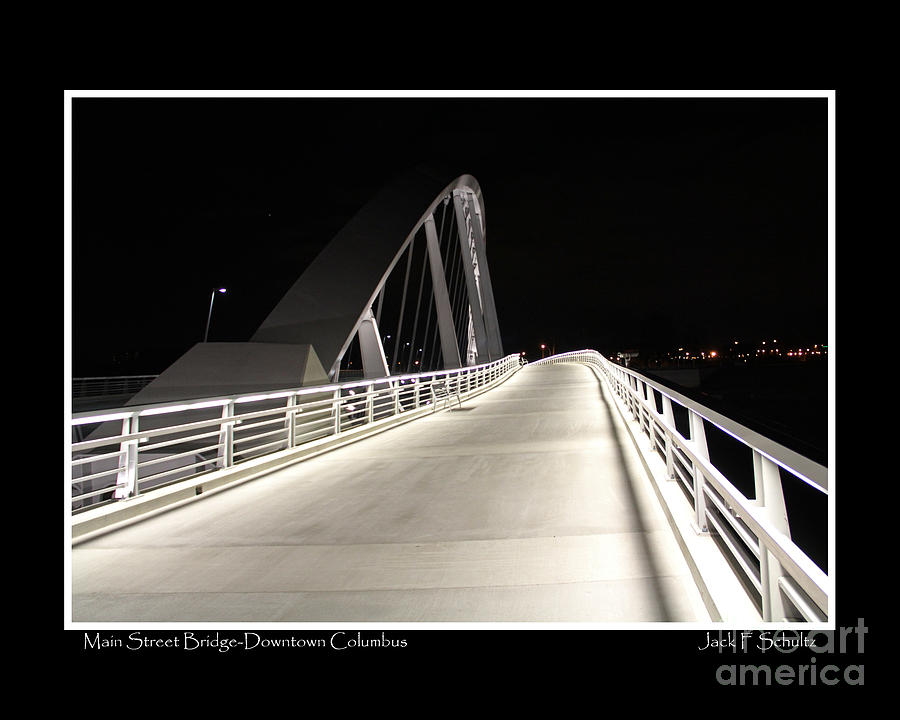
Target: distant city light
{"type": "Point", "coordinates": [762, 354]}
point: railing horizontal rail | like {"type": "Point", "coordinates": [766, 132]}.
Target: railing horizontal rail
{"type": "Point", "coordinates": [190, 438]}
{"type": "Point", "coordinates": [109, 385]}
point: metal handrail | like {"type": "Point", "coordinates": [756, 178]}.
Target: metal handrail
{"type": "Point", "coordinates": [755, 532]}
{"type": "Point", "coordinates": [109, 385]}
{"type": "Point", "coordinates": [146, 447]}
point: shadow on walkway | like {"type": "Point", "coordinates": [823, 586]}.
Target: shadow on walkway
{"type": "Point", "coordinates": [628, 481]}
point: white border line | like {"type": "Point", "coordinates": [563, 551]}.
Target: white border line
{"type": "Point", "coordinates": [625, 94]}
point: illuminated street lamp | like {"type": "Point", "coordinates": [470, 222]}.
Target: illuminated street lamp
{"type": "Point", "coordinates": [212, 298]}
{"type": "Point", "coordinates": [543, 347]}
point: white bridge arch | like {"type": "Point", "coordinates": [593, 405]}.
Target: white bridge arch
{"type": "Point", "coordinates": [339, 297]}
{"type": "Point", "coordinates": [337, 301]}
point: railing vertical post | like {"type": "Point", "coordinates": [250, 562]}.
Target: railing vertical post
{"type": "Point", "coordinates": [289, 416]}
{"type": "Point", "coordinates": [669, 418]}
{"type": "Point", "coordinates": [651, 415]}
{"type": "Point", "coordinates": [636, 391]}
{"type": "Point", "coordinates": [370, 403]}
{"type": "Point", "coordinates": [769, 493]}
{"type": "Point", "coordinates": [226, 437]}
{"type": "Point", "coordinates": [417, 385]}
{"type": "Point", "coordinates": [770, 497]}
{"type": "Point", "coordinates": [126, 479]}
{"type": "Point", "coordinates": [701, 449]}
{"type": "Point", "coordinates": [337, 411]}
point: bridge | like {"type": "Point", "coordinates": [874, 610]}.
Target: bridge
{"type": "Point", "coordinates": [320, 473]}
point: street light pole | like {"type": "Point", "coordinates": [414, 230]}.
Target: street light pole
{"type": "Point", "coordinates": [212, 298]}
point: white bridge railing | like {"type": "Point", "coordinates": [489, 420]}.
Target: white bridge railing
{"type": "Point", "coordinates": [134, 450]}
{"type": "Point", "coordinates": [754, 532]}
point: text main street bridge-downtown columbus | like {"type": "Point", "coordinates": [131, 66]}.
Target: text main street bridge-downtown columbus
{"type": "Point", "coordinates": [504, 491]}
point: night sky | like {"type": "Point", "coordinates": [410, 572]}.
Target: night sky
{"type": "Point", "coordinates": [613, 224]}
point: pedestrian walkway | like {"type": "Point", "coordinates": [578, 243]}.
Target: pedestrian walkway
{"type": "Point", "coordinates": [527, 504]}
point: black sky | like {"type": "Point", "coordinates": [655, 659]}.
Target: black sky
{"type": "Point", "coordinates": [611, 223]}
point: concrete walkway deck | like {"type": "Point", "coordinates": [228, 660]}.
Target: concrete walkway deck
{"type": "Point", "coordinates": [529, 504]}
